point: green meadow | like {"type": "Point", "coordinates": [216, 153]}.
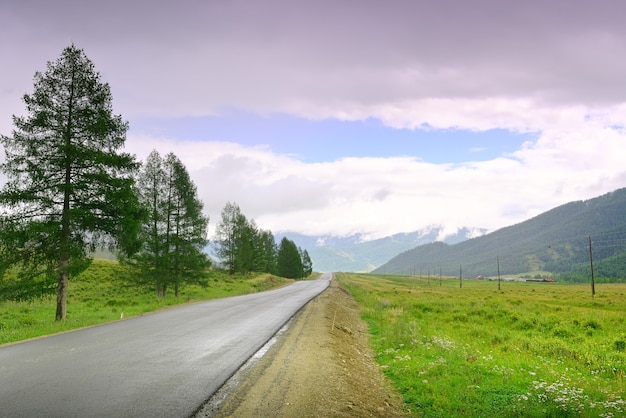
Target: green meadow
{"type": "Point", "coordinates": [106, 292]}
{"type": "Point", "coordinates": [529, 350]}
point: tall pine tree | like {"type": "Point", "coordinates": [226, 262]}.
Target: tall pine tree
{"type": "Point", "coordinates": [187, 226]}
{"type": "Point", "coordinates": [70, 188]}
{"type": "Point", "coordinates": [174, 232]}
{"type": "Point", "coordinates": [227, 237]}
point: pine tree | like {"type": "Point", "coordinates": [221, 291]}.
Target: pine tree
{"type": "Point", "coordinates": [150, 260]}
{"type": "Point", "coordinates": [289, 260]}
{"type": "Point", "coordinates": [226, 237]}
{"type": "Point", "coordinates": [174, 232]}
{"type": "Point", "coordinates": [69, 187]}
{"type": "Point", "coordinates": [307, 264]}
{"type": "Point", "coordinates": [188, 227]}
{"type": "Point", "coordinates": [269, 252]}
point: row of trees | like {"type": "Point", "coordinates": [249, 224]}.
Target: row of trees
{"type": "Point", "coordinates": [173, 232]}
{"type": "Point", "coordinates": [71, 189]}
{"type": "Point", "coordinates": [243, 248]}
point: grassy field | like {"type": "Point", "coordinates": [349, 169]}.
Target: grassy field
{"type": "Point", "coordinates": [101, 294]}
{"type": "Point", "coordinates": [530, 350]}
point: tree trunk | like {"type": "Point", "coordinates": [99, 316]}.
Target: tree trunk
{"type": "Point", "coordinates": [62, 292]}
{"type": "Point", "coordinates": [64, 262]}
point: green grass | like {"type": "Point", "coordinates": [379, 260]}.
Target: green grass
{"type": "Point", "coordinates": [530, 350]}
{"type": "Point", "coordinates": [103, 293]}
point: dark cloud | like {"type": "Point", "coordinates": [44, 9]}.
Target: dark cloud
{"type": "Point", "coordinates": [480, 65]}
{"type": "Point", "coordinates": [193, 57]}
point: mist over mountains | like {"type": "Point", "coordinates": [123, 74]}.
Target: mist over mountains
{"type": "Point", "coordinates": [356, 254]}
{"type": "Point", "coordinates": [556, 241]}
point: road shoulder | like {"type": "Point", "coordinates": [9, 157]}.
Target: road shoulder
{"type": "Point", "coordinates": [320, 366]}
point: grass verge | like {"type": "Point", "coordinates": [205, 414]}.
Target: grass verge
{"type": "Point", "coordinates": [101, 294]}
{"type": "Point", "coordinates": [530, 350]}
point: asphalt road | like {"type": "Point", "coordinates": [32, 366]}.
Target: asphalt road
{"type": "Point", "coordinates": [165, 364]}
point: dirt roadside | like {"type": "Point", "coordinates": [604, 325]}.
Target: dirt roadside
{"type": "Point", "coordinates": [321, 366]}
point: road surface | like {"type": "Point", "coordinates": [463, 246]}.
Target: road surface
{"type": "Point", "coordinates": [165, 364]}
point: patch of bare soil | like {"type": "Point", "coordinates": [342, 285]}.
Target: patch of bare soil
{"type": "Point", "coordinates": [321, 366]}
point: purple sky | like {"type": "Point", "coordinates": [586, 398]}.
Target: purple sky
{"type": "Point", "coordinates": [338, 117]}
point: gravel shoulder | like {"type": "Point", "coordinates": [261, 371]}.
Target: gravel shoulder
{"type": "Point", "coordinates": [320, 366]}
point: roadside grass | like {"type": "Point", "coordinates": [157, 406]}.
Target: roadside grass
{"type": "Point", "coordinates": [530, 350]}
{"type": "Point", "coordinates": [104, 293]}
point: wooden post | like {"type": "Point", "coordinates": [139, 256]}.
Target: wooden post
{"type": "Point", "coordinates": [498, 259]}
{"type": "Point", "coordinates": [593, 283]}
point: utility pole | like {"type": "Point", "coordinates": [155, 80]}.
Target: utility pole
{"type": "Point", "coordinates": [498, 259]}
{"type": "Point", "coordinates": [439, 276]}
{"type": "Point", "coordinates": [593, 283]}
{"type": "Point", "coordinates": [460, 276]}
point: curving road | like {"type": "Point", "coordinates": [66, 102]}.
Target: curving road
{"type": "Point", "coordinates": [165, 364]}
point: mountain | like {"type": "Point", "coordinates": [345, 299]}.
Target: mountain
{"type": "Point", "coordinates": [356, 254]}
{"type": "Point", "coordinates": [556, 241]}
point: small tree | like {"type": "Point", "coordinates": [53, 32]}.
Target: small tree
{"type": "Point", "coordinates": [246, 241]}
{"type": "Point", "coordinates": [307, 264]}
{"type": "Point", "coordinates": [269, 252]}
{"type": "Point", "coordinates": [226, 236]}
{"type": "Point", "coordinates": [237, 240]}
{"type": "Point", "coordinates": [289, 260]}
{"type": "Point", "coordinates": [69, 187]}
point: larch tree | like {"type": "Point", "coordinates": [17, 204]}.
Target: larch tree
{"type": "Point", "coordinates": [187, 226]}
{"type": "Point", "coordinates": [234, 239]}
{"type": "Point", "coordinates": [150, 260]}
{"type": "Point", "coordinates": [70, 188]}
{"type": "Point", "coordinates": [174, 232]}
{"type": "Point", "coordinates": [307, 263]}
{"type": "Point", "coordinates": [226, 237]}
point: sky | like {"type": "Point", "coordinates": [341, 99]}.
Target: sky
{"type": "Point", "coordinates": [340, 117]}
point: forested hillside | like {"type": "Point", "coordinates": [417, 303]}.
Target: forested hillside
{"type": "Point", "coordinates": [556, 241]}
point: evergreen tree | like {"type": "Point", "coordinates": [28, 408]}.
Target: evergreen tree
{"type": "Point", "coordinates": [269, 252]}
{"type": "Point", "coordinates": [245, 242]}
{"type": "Point", "coordinates": [237, 240]}
{"type": "Point", "coordinates": [174, 233]}
{"type": "Point", "coordinates": [227, 237]}
{"type": "Point", "coordinates": [307, 264]}
{"type": "Point", "coordinates": [151, 259]}
{"type": "Point", "coordinates": [69, 187]}
{"type": "Point", "coordinates": [289, 262]}
{"type": "Point", "coordinates": [241, 245]}
{"type": "Point", "coordinates": [188, 226]}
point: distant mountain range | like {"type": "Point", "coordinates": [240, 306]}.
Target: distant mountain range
{"type": "Point", "coordinates": [556, 241]}
{"type": "Point", "coordinates": [355, 254]}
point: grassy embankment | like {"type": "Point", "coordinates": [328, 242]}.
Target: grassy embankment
{"type": "Point", "coordinates": [101, 294]}
{"type": "Point", "coordinates": [530, 350]}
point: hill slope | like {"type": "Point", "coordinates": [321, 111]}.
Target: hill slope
{"type": "Point", "coordinates": [555, 241]}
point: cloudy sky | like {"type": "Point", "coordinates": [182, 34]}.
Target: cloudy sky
{"type": "Point", "coordinates": [353, 116]}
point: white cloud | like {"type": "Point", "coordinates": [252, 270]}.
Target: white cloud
{"type": "Point", "coordinates": [382, 196]}
{"type": "Point", "coordinates": [553, 68]}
